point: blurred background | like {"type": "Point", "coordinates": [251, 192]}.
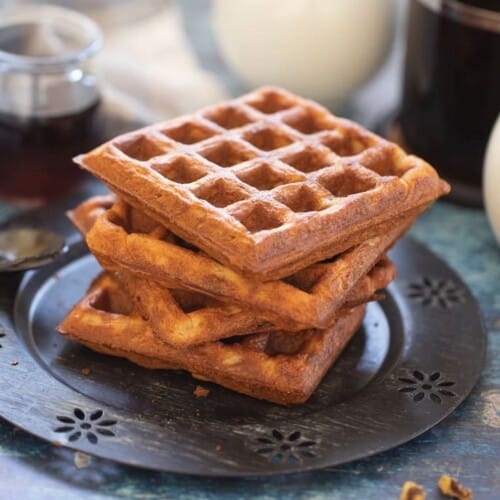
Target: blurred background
{"type": "Point", "coordinates": [165, 57]}
{"type": "Point", "coordinates": [426, 73]}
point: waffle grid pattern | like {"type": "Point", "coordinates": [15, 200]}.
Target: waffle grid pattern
{"type": "Point", "coordinates": [264, 159]}
{"type": "Point", "coordinates": [267, 183]}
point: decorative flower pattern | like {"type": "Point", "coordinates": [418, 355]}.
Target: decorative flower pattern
{"type": "Point", "coordinates": [82, 425]}
{"type": "Point", "coordinates": [2, 335]}
{"type": "Point", "coordinates": [436, 293]}
{"type": "Point", "coordinates": [422, 385]}
{"type": "Point", "coordinates": [284, 448]}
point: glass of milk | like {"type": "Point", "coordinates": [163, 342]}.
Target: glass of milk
{"type": "Point", "coordinates": [322, 49]}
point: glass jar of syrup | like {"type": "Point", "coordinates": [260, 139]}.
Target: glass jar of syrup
{"type": "Point", "coordinates": [48, 100]}
{"type": "Point", "coordinates": [451, 93]}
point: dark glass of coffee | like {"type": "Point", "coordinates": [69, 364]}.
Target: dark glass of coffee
{"type": "Point", "coordinates": [451, 94]}
{"type": "Point", "coordinates": [49, 101]}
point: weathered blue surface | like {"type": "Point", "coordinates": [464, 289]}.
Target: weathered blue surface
{"type": "Point", "coordinates": [466, 444]}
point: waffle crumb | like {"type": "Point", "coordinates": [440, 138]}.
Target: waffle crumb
{"type": "Point", "coordinates": [85, 371]}
{"type": "Point", "coordinates": [450, 487]}
{"type": "Point", "coordinates": [412, 491]}
{"type": "Point", "coordinates": [201, 392]}
{"type": "Point", "coordinates": [82, 460]}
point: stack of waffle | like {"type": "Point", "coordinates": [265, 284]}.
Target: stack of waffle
{"type": "Point", "coordinates": [242, 242]}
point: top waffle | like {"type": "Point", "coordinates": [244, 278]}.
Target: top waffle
{"type": "Point", "coordinates": [267, 183]}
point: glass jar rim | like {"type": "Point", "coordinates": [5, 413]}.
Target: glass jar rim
{"type": "Point", "coordinates": [57, 16]}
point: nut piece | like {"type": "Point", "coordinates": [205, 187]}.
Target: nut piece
{"type": "Point", "coordinates": [450, 487]}
{"type": "Point", "coordinates": [412, 491]}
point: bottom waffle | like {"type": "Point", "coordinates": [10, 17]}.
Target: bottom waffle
{"type": "Point", "coordinates": [279, 368]}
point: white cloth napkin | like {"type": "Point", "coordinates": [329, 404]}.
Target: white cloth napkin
{"type": "Point", "coordinates": [149, 72]}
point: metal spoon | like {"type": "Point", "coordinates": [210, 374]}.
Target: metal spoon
{"type": "Point", "coordinates": [22, 249]}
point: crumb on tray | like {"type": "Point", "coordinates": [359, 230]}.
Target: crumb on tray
{"type": "Point", "coordinates": [412, 491]}
{"type": "Point", "coordinates": [201, 392]}
{"type": "Point", "coordinates": [450, 487]}
{"type": "Point", "coordinates": [81, 460]}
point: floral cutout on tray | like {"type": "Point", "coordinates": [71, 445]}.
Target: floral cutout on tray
{"type": "Point", "coordinates": [279, 447]}
{"type": "Point", "coordinates": [436, 293]}
{"type": "Point", "coordinates": [420, 385]}
{"type": "Point", "coordinates": [2, 335]}
{"type": "Point", "coordinates": [83, 425]}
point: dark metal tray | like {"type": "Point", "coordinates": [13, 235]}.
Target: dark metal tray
{"type": "Point", "coordinates": [416, 358]}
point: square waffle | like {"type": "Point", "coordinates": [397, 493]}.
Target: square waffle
{"type": "Point", "coordinates": [267, 183]}
{"type": "Point", "coordinates": [125, 240]}
{"type": "Point", "coordinates": [183, 319]}
{"type": "Point", "coordinates": [84, 215]}
{"type": "Point", "coordinates": [284, 370]}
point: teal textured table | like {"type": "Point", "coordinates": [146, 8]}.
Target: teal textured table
{"type": "Point", "coordinates": [466, 445]}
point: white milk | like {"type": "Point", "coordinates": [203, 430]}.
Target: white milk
{"type": "Point", "coordinates": [322, 49]}
{"type": "Point", "coordinates": [491, 176]}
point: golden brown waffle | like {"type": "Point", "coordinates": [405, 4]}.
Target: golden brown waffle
{"type": "Point", "coordinates": [266, 184]}
{"type": "Point", "coordinates": [124, 240]}
{"type": "Point", "coordinates": [105, 320]}
{"type": "Point", "coordinates": [85, 214]}
{"type": "Point", "coordinates": [182, 318]}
